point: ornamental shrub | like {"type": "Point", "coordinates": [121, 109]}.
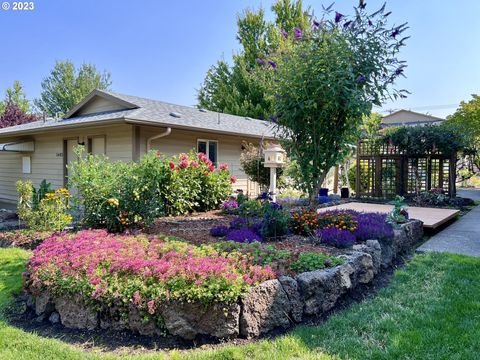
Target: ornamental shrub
{"type": "Point", "coordinates": [119, 195]}
{"type": "Point", "coordinates": [104, 269]}
{"type": "Point", "coordinates": [336, 237]}
{"type": "Point", "coordinates": [50, 213]}
{"type": "Point", "coordinates": [251, 208]}
{"type": "Point", "coordinates": [275, 221]}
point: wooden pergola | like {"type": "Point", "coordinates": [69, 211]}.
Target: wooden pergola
{"type": "Point", "coordinates": [382, 171]}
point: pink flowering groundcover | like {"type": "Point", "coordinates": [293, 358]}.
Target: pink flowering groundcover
{"type": "Point", "coordinates": [106, 269]}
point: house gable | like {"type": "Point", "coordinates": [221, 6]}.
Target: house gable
{"type": "Point", "coordinates": [99, 102]}
{"type": "Point", "coordinates": [405, 117]}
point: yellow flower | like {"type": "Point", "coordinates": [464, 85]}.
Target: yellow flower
{"type": "Point", "coordinates": [113, 202]}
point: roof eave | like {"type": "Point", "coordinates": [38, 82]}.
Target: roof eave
{"type": "Point", "coordinates": [59, 126]}
{"type": "Point", "coordinates": [176, 126]}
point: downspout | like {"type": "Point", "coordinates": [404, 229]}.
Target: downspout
{"type": "Point", "coordinates": [150, 139]}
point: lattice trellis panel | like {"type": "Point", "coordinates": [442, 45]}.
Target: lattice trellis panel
{"type": "Point", "coordinates": [389, 177]}
{"type": "Point", "coordinates": [445, 173]}
{"type": "Point", "coordinates": [384, 171]}
{"type": "Point", "coordinates": [367, 176]}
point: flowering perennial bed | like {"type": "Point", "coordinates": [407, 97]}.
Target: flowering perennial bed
{"type": "Point", "coordinates": [157, 285]}
{"type": "Point", "coordinates": [103, 268]}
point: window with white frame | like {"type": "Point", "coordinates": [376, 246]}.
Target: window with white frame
{"type": "Point", "coordinates": [209, 148]}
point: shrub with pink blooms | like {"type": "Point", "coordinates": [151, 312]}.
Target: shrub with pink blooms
{"type": "Point", "coordinates": [106, 269]}
{"type": "Point", "coordinates": [117, 196]}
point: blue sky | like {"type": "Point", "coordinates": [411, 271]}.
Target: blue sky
{"type": "Point", "coordinates": [162, 49]}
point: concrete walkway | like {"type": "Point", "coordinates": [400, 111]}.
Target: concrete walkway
{"type": "Point", "coordinates": [462, 237]}
{"type": "Point", "coordinates": [473, 194]}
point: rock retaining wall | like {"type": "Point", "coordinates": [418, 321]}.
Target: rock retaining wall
{"type": "Point", "coordinates": [270, 305]}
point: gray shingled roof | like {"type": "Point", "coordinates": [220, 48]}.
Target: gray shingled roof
{"type": "Point", "coordinates": [159, 113]}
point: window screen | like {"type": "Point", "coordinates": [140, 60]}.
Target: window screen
{"type": "Point", "coordinates": [202, 147]}
{"type": "Point", "coordinates": [212, 151]}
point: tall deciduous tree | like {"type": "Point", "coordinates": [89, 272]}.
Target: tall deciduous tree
{"type": "Point", "coordinates": [15, 95]}
{"type": "Point", "coordinates": [328, 83]}
{"type": "Point", "coordinates": [371, 125]}
{"type": "Point", "coordinates": [13, 115]}
{"type": "Point", "coordinates": [67, 85]}
{"type": "Point", "coordinates": [243, 88]}
{"type": "Point", "coordinates": [467, 119]}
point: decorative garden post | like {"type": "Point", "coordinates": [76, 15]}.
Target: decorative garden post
{"type": "Point", "coordinates": [274, 158]}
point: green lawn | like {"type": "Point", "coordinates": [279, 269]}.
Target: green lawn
{"type": "Point", "coordinates": [430, 311]}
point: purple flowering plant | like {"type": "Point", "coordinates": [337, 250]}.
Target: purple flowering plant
{"type": "Point", "coordinates": [243, 235]}
{"type": "Point", "coordinates": [219, 231]}
{"type": "Point", "coordinates": [373, 226]}
{"type": "Point", "coordinates": [336, 237]}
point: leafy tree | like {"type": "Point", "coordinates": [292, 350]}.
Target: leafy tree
{"type": "Point", "coordinates": [67, 85]}
{"type": "Point", "coordinates": [371, 125]}
{"type": "Point", "coordinates": [243, 88]}
{"type": "Point", "coordinates": [327, 83]}
{"type": "Point", "coordinates": [13, 115]}
{"type": "Point", "coordinates": [467, 119]}
{"type": "Point", "coordinates": [15, 95]}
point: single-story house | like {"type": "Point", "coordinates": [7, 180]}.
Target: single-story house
{"type": "Point", "coordinates": [123, 127]}
{"type": "Point", "coordinates": [409, 118]}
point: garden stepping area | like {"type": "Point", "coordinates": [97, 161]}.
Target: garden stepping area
{"type": "Point", "coordinates": [431, 217]}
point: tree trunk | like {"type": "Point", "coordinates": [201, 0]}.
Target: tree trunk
{"type": "Point", "coordinates": [314, 195]}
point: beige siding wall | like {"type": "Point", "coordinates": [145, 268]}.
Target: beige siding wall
{"type": "Point", "coordinates": [123, 142]}
{"type": "Point", "coordinates": [99, 105]}
{"type": "Point", "coordinates": [180, 141]}
{"type": "Point", "coordinates": [47, 160]}
{"type": "Point", "coordinates": [10, 172]}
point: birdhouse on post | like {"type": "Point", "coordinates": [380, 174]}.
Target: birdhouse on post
{"type": "Point", "coordinates": [274, 158]}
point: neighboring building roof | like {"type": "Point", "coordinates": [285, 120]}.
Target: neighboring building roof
{"type": "Point", "coordinates": [137, 110]}
{"type": "Point", "coordinates": [409, 118]}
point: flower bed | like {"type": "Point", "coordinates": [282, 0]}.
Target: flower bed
{"type": "Point", "coordinates": [227, 289]}
{"type": "Point", "coordinates": [141, 274]}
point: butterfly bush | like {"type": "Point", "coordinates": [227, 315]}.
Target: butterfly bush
{"type": "Point", "coordinates": [105, 269]}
